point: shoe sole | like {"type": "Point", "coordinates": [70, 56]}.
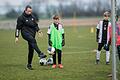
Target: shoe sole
{"type": "Point", "coordinates": [29, 69]}
{"type": "Point", "coordinates": [60, 67]}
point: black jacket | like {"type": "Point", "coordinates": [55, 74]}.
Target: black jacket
{"type": "Point", "coordinates": [26, 23]}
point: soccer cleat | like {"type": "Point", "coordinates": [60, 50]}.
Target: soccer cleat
{"type": "Point", "coordinates": [107, 63]}
{"type": "Point", "coordinates": [54, 66]}
{"type": "Point", "coordinates": [97, 61]}
{"type": "Point", "coordinates": [60, 66]}
{"type": "Point", "coordinates": [110, 75]}
{"type": "Point", "coordinates": [42, 55]}
{"type": "Point", "coordinates": [29, 67]}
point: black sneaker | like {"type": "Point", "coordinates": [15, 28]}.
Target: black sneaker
{"type": "Point", "coordinates": [107, 63]}
{"type": "Point", "coordinates": [42, 55]}
{"type": "Point", "coordinates": [29, 67]}
{"type": "Point", "coordinates": [97, 61]}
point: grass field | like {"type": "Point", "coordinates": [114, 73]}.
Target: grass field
{"type": "Point", "coordinates": [78, 58]}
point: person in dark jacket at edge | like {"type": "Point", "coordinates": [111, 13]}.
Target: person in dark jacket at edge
{"type": "Point", "coordinates": [27, 24]}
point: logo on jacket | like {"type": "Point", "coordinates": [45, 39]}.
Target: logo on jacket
{"type": "Point", "coordinates": [26, 20]}
{"type": "Point", "coordinates": [32, 19]}
{"type": "Point", "coordinates": [105, 28]}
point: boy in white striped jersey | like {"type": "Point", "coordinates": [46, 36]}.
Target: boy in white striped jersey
{"type": "Point", "coordinates": [102, 37]}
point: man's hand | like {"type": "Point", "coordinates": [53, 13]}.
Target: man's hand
{"type": "Point", "coordinates": [40, 34]}
{"type": "Point", "coordinates": [16, 40]}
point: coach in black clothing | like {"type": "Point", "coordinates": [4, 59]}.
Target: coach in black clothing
{"type": "Point", "coordinates": [27, 23]}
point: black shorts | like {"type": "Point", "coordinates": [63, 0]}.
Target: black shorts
{"type": "Point", "coordinates": [105, 46]}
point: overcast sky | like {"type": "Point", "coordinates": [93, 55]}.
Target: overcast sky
{"type": "Point", "coordinates": [12, 2]}
{"type": "Point", "coordinates": [19, 2]}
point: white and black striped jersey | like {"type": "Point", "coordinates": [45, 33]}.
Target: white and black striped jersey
{"type": "Point", "coordinates": [103, 31]}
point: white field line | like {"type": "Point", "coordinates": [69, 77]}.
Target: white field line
{"type": "Point", "coordinates": [75, 47]}
{"type": "Point", "coordinates": [79, 52]}
{"type": "Point", "coordinates": [85, 51]}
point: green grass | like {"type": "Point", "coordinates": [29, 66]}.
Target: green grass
{"type": "Point", "coordinates": [78, 58]}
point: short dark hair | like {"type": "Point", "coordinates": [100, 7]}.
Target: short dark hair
{"type": "Point", "coordinates": [106, 13]}
{"type": "Point", "coordinates": [28, 6]}
{"type": "Point", "coordinates": [56, 17]}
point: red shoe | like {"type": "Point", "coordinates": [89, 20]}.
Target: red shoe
{"type": "Point", "coordinates": [54, 66]}
{"type": "Point", "coordinates": [60, 66]}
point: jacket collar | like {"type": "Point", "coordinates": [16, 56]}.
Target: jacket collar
{"type": "Point", "coordinates": [26, 15]}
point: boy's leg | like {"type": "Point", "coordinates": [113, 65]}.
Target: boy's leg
{"type": "Point", "coordinates": [54, 57]}
{"type": "Point", "coordinates": [59, 59]}
{"type": "Point", "coordinates": [100, 45]}
{"type": "Point", "coordinates": [118, 51]}
{"type": "Point", "coordinates": [54, 60]}
{"type": "Point", "coordinates": [107, 55]}
{"type": "Point", "coordinates": [59, 56]}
